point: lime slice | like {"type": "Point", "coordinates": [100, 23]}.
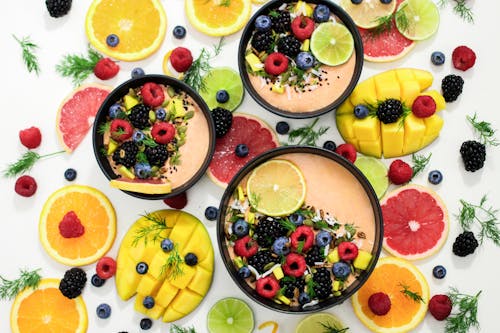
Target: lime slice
{"type": "Point", "coordinates": [368, 13]}
{"type": "Point", "coordinates": [376, 173]}
{"type": "Point", "coordinates": [332, 43]}
{"type": "Point", "coordinates": [417, 19]}
{"type": "Point", "coordinates": [222, 78]}
{"type": "Point", "coordinates": [230, 315]}
{"type": "Point", "coordinates": [320, 322]}
{"type": "Point", "coordinates": [276, 188]}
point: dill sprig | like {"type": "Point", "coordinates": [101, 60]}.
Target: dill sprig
{"type": "Point", "coordinates": [307, 135]}
{"type": "Point", "coordinates": [387, 23]}
{"type": "Point", "coordinates": [485, 216]}
{"type": "Point", "coordinates": [178, 329]}
{"type": "Point", "coordinates": [172, 266]}
{"type": "Point", "coordinates": [466, 317]}
{"type": "Point", "coordinates": [402, 21]}
{"type": "Point", "coordinates": [287, 224]}
{"type": "Point", "coordinates": [461, 9]}
{"type": "Point", "coordinates": [327, 328]}
{"type": "Point", "coordinates": [411, 294]}
{"type": "Point", "coordinates": [29, 57]}
{"type": "Point", "coordinates": [151, 231]}
{"type": "Point", "coordinates": [10, 288]}
{"type": "Point", "coordinates": [78, 67]}
{"type": "Point", "coordinates": [25, 163]}
{"type": "Point", "coordinates": [419, 163]}
{"type": "Point", "coordinates": [483, 128]}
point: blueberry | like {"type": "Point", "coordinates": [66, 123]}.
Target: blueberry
{"type": "Point", "coordinates": [241, 150]}
{"type": "Point", "coordinates": [141, 268]}
{"type": "Point", "coordinates": [137, 72]}
{"type": "Point", "coordinates": [304, 60]}
{"type": "Point", "coordinates": [280, 246]}
{"type": "Point", "coordinates": [167, 245]}
{"type": "Point", "coordinates": [211, 213]}
{"type": "Point", "coordinates": [330, 145]}
{"type": "Point", "coordinates": [222, 96]}
{"type": "Point", "coordinates": [304, 298]}
{"type": "Point", "coordinates": [385, 1]}
{"type": "Point", "coordinates": [321, 13]}
{"type": "Point", "coordinates": [179, 32]}
{"type": "Point", "coordinates": [114, 110]}
{"type": "Point", "coordinates": [240, 228]}
{"type": "Point", "coordinates": [282, 127]}
{"type": "Point", "coordinates": [323, 238]}
{"type": "Point", "coordinates": [142, 170]}
{"type": "Point", "coordinates": [70, 174]}
{"type": "Point", "coordinates": [356, 2]}
{"type": "Point", "coordinates": [112, 40]}
{"type": "Point", "coordinates": [103, 311]}
{"type": "Point", "coordinates": [138, 136]}
{"type": "Point", "coordinates": [263, 23]}
{"type": "Point", "coordinates": [341, 270]}
{"type": "Point", "coordinates": [439, 272]}
{"type": "Point", "coordinates": [244, 272]}
{"type": "Point", "coordinates": [361, 111]}
{"type": "Point", "coordinates": [146, 323]}
{"type": "Point", "coordinates": [148, 302]}
{"type": "Point", "coordinates": [97, 281]}
{"type": "Point", "coordinates": [435, 177]}
{"type": "Point", "coordinates": [191, 259]}
{"type": "Point", "coordinates": [161, 114]}
{"type": "Point", "coordinates": [437, 58]}
{"type": "Point", "coordinates": [296, 219]}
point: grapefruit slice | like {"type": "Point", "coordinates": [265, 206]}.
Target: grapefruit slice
{"type": "Point", "coordinates": [76, 114]}
{"type": "Point", "coordinates": [415, 222]}
{"type": "Point", "coordinates": [245, 129]}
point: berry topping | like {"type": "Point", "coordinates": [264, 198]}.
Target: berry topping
{"type": "Point", "coordinates": [281, 21]}
{"type": "Point", "coordinates": [296, 219]}
{"type": "Point", "coordinates": [465, 244]}
{"type": "Point", "coordinates": [106, 69]}
{"type": "Point", "coordinates": [157, 155]}
{"type": "Point", "coordinates": [289, 46]}
{"type": "Point", "coordinates": [73, 282]}
{"type": "Point", "coordinates": [152, 94]}
{"type": "Point", "coordinates": [423, 106]}
{"type": "Point", "coordinates": [341, 270]}
{"type": "Point", "coordinates": [440, 306]}
{"type": "Point", "coordinates": [379, 303]}
{"type": "Point", "coordinates": [58, 8]}
{"type": "Point", "coordinates": [148, 302]}
{"type": "Point", "coordinates": [321, 13]}
{"type": "Point", "coordinates": [356, 2]}
{"type": "Point", "coordinates": [244, 272]}
{"type": "Point", "coordinates": [30, 137]}
{"type": "Point", "coordinates": [263, 23]}
{"type": "Point", "coordinates": [304, 60]}
{"type": "Point", "coordinates": [473, 155]}
{"type": "Point", "coordinates": [70, 174]}
{"type": "Point", "coordinates": [71, 226]}
{"type": "Point", "coordinates": [223, 120]}
{"type": "Point", "coordinates": [437, 58]}
{"type": "Point", "coordinates": [281, 246]}
{"type": "Point", "coordinates": [302, 238]}
{"type": "Point", "coordinates": [439, 272]}
{"type": "Point", "coordinates": [302, 27]}
{"type": "Point", "coordinates": [181, 59]}
{"type": "Point", "coordinates": [137, 72]}
{"type": "Point", "coordinates": [435, 177]}
{"type": "Point", "coordinates": [275, 63]}
{"type": "Point", "coordinates": [106, 267]}
{"type": "Point", "coordinates": [112, 40]}
{"type": "Point", "coordinates": [262, 40]}
{"type": "Point", "coordinates": [25, 186]}
{"type": "Point", "coordinates": [163, 132]}
{"type": "Point", "coordinates": [262, 260]}
{"type": "Point", "coordinates": [138, 136]}
{"type": "Point", "coordinates": [315, 256]}
{"type": "Point", "coordinates": [282, 127]}
{"type": "Point", "coordinates": [361, 111]}
{"type": "Point", "coordinates": [114, 110]}
{"type": "Point", "coordinates": [211, 213]}
{"type": "Point", "coordinates": [97, 281]}
{"type": "Point", "coordinates": [160, 114]}
{"type": "Point", "coordinates": [400, 172]}
{"type": "Point", "coordinates": [385, 1]}
{"type": "Point", "coordinates": [126, 154]}
{"type": "Point", "coordinates": [389, 110]}
{"type": "Point", "coordinates": [179, 32]}
{"type": "Point", "coordinates": [167, 245]}
{"type": "Point", "coordinates": [146, 323]}
{"type": "Point", "coordinates": [191, 259]}
{"type": "Point", "coordinates": [323, 283]}
{"type": "Point", "coordinates": [178, 201]}
{"type": "Point", "coordinates": [245, 247]}
{"type": "Point", "coordinates": [463, 58]}
{"type": "Point", "coordinates": [304, 298]}
{"type": "Point", "coordinates": [347, 251]}
{"type": "Point", "coordinates": [330, 145]}
{"type": "Point", "coordinates": [295, 265]}
{"type": "Point", "coordinates": [241, 150]}
{"type": "Point", "coordinates": [222, 96]}
{"type": "Point", "coordinates": [348, 151]}
{"type": "Point", "coordinates": [323, 238]}
{"type": "Point", "coordinates": [120, 129]}
{"type": "Point", "coordinates": [267, 286]}
{"type": "Point", "coordinates": [452, 86]}
{"type": "Point", "coordinates": [240, 228]}
{"type": "Point", "coordinates": [142, 268]}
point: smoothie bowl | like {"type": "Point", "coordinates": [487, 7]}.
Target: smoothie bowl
{"type": "Point", "coordinates": [300, 229]}
{"type": "Point", "coordinates": [300, 59]}
{"type": "Point", "coordinates": [153, 137]}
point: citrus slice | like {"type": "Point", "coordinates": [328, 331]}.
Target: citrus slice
{"type": "Point", "coordinates": [222, 78]}
{"type": "Point", "coordinates": [276, 188]}
{"type": "Point", "coordinates": [76, 114]}
{"type": "Point", "coordinates": [392, 276]}
{"type": "Point", "coordinates": [367, 13]}
{"type": "Point", "coordinates": [230, 315]}
{"type": "Point", "coordinates": [376, 173]}
{"type": "Point", "coordinates": [319, 322]}
{"type": "Point", "coordinates": [332, 43]}
{"type": "Point", "coordinates": [93, 211]}
{"type": "Point", "coordinates": [218, 17]}
{"type": "Point", "coordinates": [140, 26]}
{"type": "Point", "coordinates": [46, 309]}
{"type": "Point", "coordinates": [417, 19]}
{"type": "Point", "coordinates": [415, 222]}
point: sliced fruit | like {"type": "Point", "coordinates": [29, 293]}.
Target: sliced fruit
{"type": "Point", "coordinates": [140, 26]}
{"type": "Point", "coordinates": [415, 222]}
{"type": "Point", "coordinates": [146, 186]}
{"type": "Point", "coordinates": [332, 43]}
{"type": "Point", "coordinates": [76, 114]}
{"type": "Point", "coordinates": [46, 309]}
{"type": "Point", "coordinates": [367, 13]}
{"type": "Point", "coordinates": [417, 19]}
{"type": "Point", "coordinates": [376, 173]}
{"type": "Point", "coordinates": [230, 315]}
{"type": "Point", "coordinates": [320, 322]}
{"type": "Point", "coordinates": [222, 78]}
{"type": "Point", "coordinates": [94, 211]}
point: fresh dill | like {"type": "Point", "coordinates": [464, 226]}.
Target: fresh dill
{"type": "Point", "coordinates": [152, 230]}
{"type": "Point", "coordinates": [402, 21]}
{"type": "Point", "coordinates": [387, 23]}
{"type": "Point", "coordinates": [25, 163]}
{"type": "Point", "coordinates": [225, 3]}
{"type": "Point", "coordinates": [411, 294]}
{"type": "Point", "coordinates": [300, 246]}
{"type": "Point", "coordinates": [310, 287]}
{"type": "Point", "coordinates": [178, 329]}
{"type": "Point", "coordinates": [419, 163]}
{"type": "Point", "coordinates": [485, 216]}
{"type": "Point", "coordinates": [78, 67]}
{"type": "Point", "coordinates": [29, 57]}
{"type": "Point", "coordinates": [287, 224]}
{"type": "Point", "coordinates": [483, 128]}
{"type": "Point", "coordinates": [172, 266]}
{"type": "Point", "coordinates": [10, 288]}
{"type": "Point", "coordinates": [350, 229]}
{"type": "Point", "coordinates": [460, 8]}
{"type": "Point", "coordinates": [327, 328]}
{"type": "Point", "coordinates": [307, 135]}
{"type": "Point", "coordinates": [466, 317]}
{"type": "Point", "coordinates": [104, 127]}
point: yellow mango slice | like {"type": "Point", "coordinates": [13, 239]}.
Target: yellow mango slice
{"type": "Point", "coordinates": [182, 231]}
{"type": "Point", "coordinates": [364, 93]}
{"type": "Point", "coordinates": [201, 281]}
{"type": "Point", "coordinates": [171, 315]}
{"type": "Point", "coordinates": [424, 78]}
{"type": "Point", "coordinates": [344, 125]}
{"type": "Point", "coordinates": [366, 129]}
{"type": "Point", "coordinates": [148, 285]}
{"type": "Point", "coordinates": [433, 125]}
{"type": "Point", "coordinates": [371, 148]}
{"type": "Point", "coordinates": [345, 107]}
{"type": "Point", "coordinates": [414, 133]}
{"type": "Point", "coordinates": [197, 244]}
{"type": "Point", "coordinates": [409, 91]}
{"type": "Point", "coordinates": [392, 139]}
{"type": "Point", "coordinates": [183, 280]}
{"type": "Point", "coordinates": [166, 294]}
{"type": "Point", "coordinates": [155, 312]}
{"type": "Point", "coordinates": [405, 74]}
{"type": "Point", "coordinates": [185, 301]}
{"type": "Point", "coordinates": [126, 279]}
{"type": "Point", "coordinates": [387, 86]}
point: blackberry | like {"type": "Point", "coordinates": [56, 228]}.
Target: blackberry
{"type": "Point", "coordinates": [288, 285]}
{"type": "Point", "coordinates": [315, 254]}
{"type": "Point", "coordinates": [452, 86]}
{"type": "Point", "coordinates": [156, 155]}
{"type": "Point", "coordinates": [289, 46]}
{"type": "Point", "coordinates": [58, 8]}
{"type": "Point", "coordinates": [72, 283]}
{"type": "Point", "coordinates": [223, 119]}
{"type": "Point", "coordinates": [126, 154]}
{"type": "Point", "coordinates": [260, 260]}
{"type": "Point", "coordinates": [322, 283]}
{"type": "Point", "coordinates": [268, 230]}
{"type": "Point", "coordinates": [390, 110]}
{"type": "Point", "coordinates": [262, 40]}
{"type": "Point", "coordinates": [473, 154]}
{"type": "Point", "coordinates": [465, 244]}
{"type": "Point", "coordinates": [280, 21]}
{"type": "Point", "coordinates": [139, 116]}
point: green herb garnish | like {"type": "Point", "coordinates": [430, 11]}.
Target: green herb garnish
{"type": "Point", "coordinates": [402, 21]}
{"type": "Point", "coordinates": [78, 67]}
{"type": "Point", "coordinates": [25, 163]}
{"type": "Point", "coordinates": [307, 135]}
{"type": "Point", "coordinates": [485, 216]}
{"type": "Point", "coordinates": [151, 231]}
{"type": "Point", "coordinates": [350, 229]}
{"type": "Point", "coordinates": [29, 57]}
{"type": "Point", "coordinates": [419, 163]}
{"type": "Point", "coordinates": [287, 224]}
{"type": "Point", "coordinates": [310, 283]}
{"type": "Point", "coordinates": [332, 329]}
{"type": "Point", "coordinates": [177, 329]}
{"type": "Point", "coordinates": [10, 288]}
{"type": "Point", "coordinates": [460, 8]}
{"type": "Point", "coordinates": [175, 159]}
{"type": "Point", "coordinates": [172, 266]}
{"type": "Point", "coordinates": [300, 246]}
{"type": "Point", "coordinates": [385, 23]}
{"type": "Point", "coordinates": [466, 317]}
{"type": "Point", "coordinates": [225, 3]}
{"type": "Point", "coordinates": [411, 294]}
{"type": "Point", "coordinates": [486, 133]}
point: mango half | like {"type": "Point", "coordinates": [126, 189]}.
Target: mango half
{"type": "Point", "coordinates": [372, 137]}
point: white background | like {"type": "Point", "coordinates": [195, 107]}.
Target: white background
{"type": "Point", "coordinates": [30, 100]}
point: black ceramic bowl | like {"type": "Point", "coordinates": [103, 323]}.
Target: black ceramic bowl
{"type": "Point", "coordinates": [345, 90]}
{"type": "Point", "coordinates": [122, 90]}
{"type": "Point", "coordinates": [342, 186]}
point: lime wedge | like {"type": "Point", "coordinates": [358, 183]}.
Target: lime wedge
{"type": "Point", "coordinates": [222, 78]}
{"type": "Point", "coordinates": [332, 43]}
{"type": "Point", "coordinates": [320, 322]}
{"type": "Point", "coordinates": [230, 315]}
{"type": "Point", "coordinates": [376, 173]}
{"type": "Point", "coordinates": [368, 13]}
{"type": "Point", "coordinates": [417, 19]}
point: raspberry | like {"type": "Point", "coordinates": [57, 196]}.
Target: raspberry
{"type": "Point", "coordinates": [302, 27]}
{"type": "Point", "coordinates": [400, 172]}
{"type": "Point", "coordinates": [30, 137]}
{"type": "Point", "coordinates": [71, 226]}
{"type": "Point", "coordinates": [106, 268]}
{"type": "Point", "coordinates": [163, 132]}
{"type": "Point", "coordinates": [25, 186]}
{"type": "Point", "coordinates": [347, 251]}
{"type": "Point", "coordinates": [152, 94]}
{"type": "Point", "coordinates": [120, 129]}
{"type": "Point", "coordinates": [245, 247]}
{"type": "Point", "coordinates": [295, 265]}
{"type": "Point", "coordinates": [379, 303]}
{"type": "Point", "coordinates": [440, 307]}
{"type": "Point", "coordinates": [267, 286]}
{"type": "Point", "coordinates": [302, 235]}
{"type": "Point", "coordinates": [106, 69]}
{"type": "Point", "coordinates": [178, 201]}
{"type": "Point", "coordinates": [463, 58]}
{"type": "Point", "coordinates": [423, 106]}
{"type": "Point", "coordinates": [347, 151]}
{"type": "Point", "coordinates": [181, 59]}
{"type": "Point", "coordinates": [275, 63]}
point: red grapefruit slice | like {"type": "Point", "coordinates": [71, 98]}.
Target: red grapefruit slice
{"type": "Point", "coordinates": [77, 112]}
{"type": "Point", "coordinates": [250, 130]}
{"type": "Point", "coordinates": [415, 222]}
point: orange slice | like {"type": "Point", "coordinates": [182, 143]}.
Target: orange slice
{"type": "Point", "coordinates": [45, 309]}
{"type": "Point", "coordinates": [95, 213]}
{"type": "Point", "coordinates": [140, 26]}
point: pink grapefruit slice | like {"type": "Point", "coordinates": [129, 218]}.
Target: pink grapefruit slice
{"type": "Point", "coordinates": [76, 114]}
{"type": "Point", "coordinates": [415, 222]}
{"type": "Point", "coordinates": [245, 129]}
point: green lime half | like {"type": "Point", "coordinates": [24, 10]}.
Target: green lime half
{"type": "Point", "coordinates": [417, 19]}
{"type": "Point", "coordinates": [230, 315]}
{"type": "Point", "coordinates": [332, 43]}
{"type": "Point", "coordinates": [376, 173]}
{"type": "Point", "coordinates": [222, 78]}
{"type": "Point", "coordinates": [320, 322]}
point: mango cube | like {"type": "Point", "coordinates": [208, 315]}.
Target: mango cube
{"type": "Point", "coordinates": [185, 301]}
{"type": "Point", "coordinates": [148, 285]}
{"type": "Point", "coordinates": [166, 294]}
{"type": "Point", "coordinates": [366, 129]}
{"type": "Point", "coordinates": [171, 315]}
{"type": "Point", "coordinates": [362, 260]}
{"type": "Point", "coordinates": [414, 132]}
{"type": "Point", "coordinates": [333, 256]}
{"type": "Point", "coordinates": [392, 139]}
{"type": "Point", "coordinates": [254, 62]}
{"type": "Point", "coordinates": [130, 102]}
{"type": "Point", "coordinates": [278, 273]}
{"type": "Point", "coordinates": [201, 281]}
{"type": "Point", "coordinates": [182, 280]}
{"type": "Point", "coordinates": [284, 300]}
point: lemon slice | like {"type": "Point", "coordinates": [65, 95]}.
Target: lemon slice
{"type": "Point", "coordinates": [276, 188]}
{"type": "Point", "coordinates": [376, 173]}
{"type": "Point", "coordinates": [417, 19]}
{"type": "Point", "coordinates": [222, 78]}
{"type": "Point", "coordinates": [320, 322]}
{"type": "Point", "coordinates": [367, 13]}
{"type": "Point", "coordinates": [332, 43]}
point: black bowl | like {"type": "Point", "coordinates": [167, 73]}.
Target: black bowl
{"type": "Point", "coordinates": [122, 90]}
{"type": "Point", "coordinates": [345, 170]}
{"type": "Point", "coordinates": [358, 50]}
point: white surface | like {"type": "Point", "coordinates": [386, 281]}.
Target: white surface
{"type": "Point", "coordinates": [30, 100]}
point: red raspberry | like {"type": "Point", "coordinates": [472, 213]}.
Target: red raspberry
{"type": "Point", "coordinates": [181, 59]}
{"type": "Point", "coordinates": [348, 151]}
{"type": "Point", "coordinates": [302, 27]}
{"type": "Point", "coordinates": [440, 306]}
{"type": "Point", "coordinates": [303, 234]}
{"type": "Point", "coordinates": [275, 63]}
{"type": "Point", "coordinates": [25, 186]}
{"type": "Point", "coordinates": [178, 201]}
{"type": "Point", "coordinates": [463, 58]}
{"type": "Point", "coordinates": [295, 265]}
{"type": "Point", "coordinates": [120, 129]}
{"type": "Point", "coordinates": [246, 247]}
{"type": "Point", "coordinates": [423, 106]}
{"type": "Point", "coordinates": [30, 137]}
{"type": "Point", "coordinates": [267, 286]}
{"type": "Point", "coordinates": [106, 69]}
{"type": "Point", "coordinates": [400, 172]}
{"type": "Point", "coordinates": [106, 267]}
{"type": "Point", "coordinates": [379, 303]}
{"type": "Point", "coordinates": [152, 94]}
{"type": "Point", "coordinates": [163, 132]}
{"type": "Point", "coordinates": [71, 226]}
{"type": "Point", "coordinates": [347, 251]}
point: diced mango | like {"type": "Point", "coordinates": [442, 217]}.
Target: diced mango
{"type": "Point", "coordinates": [241, 194]}
{"type": "Point", "coordinates": [171, 315]}
{"type": "Point", "coordinates": [182, 280]}
{"type": "Point", "coordinates": [345, 107]}
{"type": "Point", "coordinates": [405, 74]}
{"type": "Point", "coordinates": [305, 45]}
{"type": "Point", "coordinates": [392, 139]}
{"type": "Point", "coordinates": [155, 312]}
{"type": "Point", "coordinates": [424, 78]}
{"type": "Point", "coordinates": [182, 230]}
{"type": "Point", "coordinates": [371, 148]}
{"type": "Point", "coordinates": [414, 132]}
{"type": "Point", "coordinates": [344, 125]}
{"type": "Point", "coordinates": [366, 129]}
{"type": "Point", "coordinates": [238, 262]}
{"type": "Point", "coordinates": [364, 93]}
{"type": "Point", "coordinates": [166, 294]}
{"type": "Point", "coordinates": [387, 86]}
{"type": "Point", "coordinates": [130, 102]}
{"type": "Point", "coordinates": [438, 98]}
{"type": "Point", "coordinates": [126, 278]}
{"type": "Point", "coordinates": [201, 281]}
{"type": "Point", "coordinates": [278, 88]}
{"type": "Point", "coordinates": [409, 91]}
{"type": "Point", "coordinates": [199, 243]}
{"type": "Point", "coordinates": [254, 62]}
{"type": "Point", "coordinates": [278, 273]}
{"type": "Point", "coordinates": [157, 264]}
{"type": "Point", "coordinates": [180, 111]}
{"type": "Point", "coordinates": [126, 172]}
{"type": "Point", "coordinates": [185, 301]}
{"type": "Point", "coordinates": [333, 256]}
{"type": "Point", "coordinates": [284, 299]}
{"type": "Point", "coordinates": [337, 285]}
{"type": "Point", "coordinates": [208, 262]}
{"type": "Point", "coordinates": [362, 260]}
{"type": "Point", "coordinates": [112, 145]}
{"type": "Point", "coordinates": [433, 125]}
{"type": "Point", "coordinates": [148, 285]}
{"type": "Point", "coordinates": [302, 8]}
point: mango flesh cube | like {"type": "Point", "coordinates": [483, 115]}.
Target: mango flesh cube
{"type": "Point", "coordinates": [372, 148]}
{"type": "Point", "coordinates": [424, 78]}
{"type": "Point", "coordinates": [185, 301]}
{"type": "Point", "coordinates": [414, 133]}
{"type": "Point", "coordinates": [392, 139]}
{"type": "Point", "coordinates": [364, 93]}
{"type": "Point", "coordinates": [183, 280]}
{"type": "Point", "coordinates": [278, 273]}
{"type": "Point", "coordinates": [362, 260]}
{"type": "Point", "coordinates": [148, 285]}
{"type": "Point", "coordinates": [171, 315]}
{"type": "Point", "coordinates": [201, 281]}
{"type": "Point", "coordinates": [366, 129]}
{"type": "Point", "coordinates": [130, 102]}
{"type": "Point", "coordinates": [433, 125]}
{"type": "Point", "coordinates": [345, 107]}
{"type": "Point", "coordinates": [155, 312]}
{"type": "Point", "coordinates": [405, 74]}
{"type": "Point", "coordinates": [333, 256]}
{"type": "Point", "coordinates": [409, 91]}
{"type": "Point", "coordinates": [387, 86]}
{"type": "Point", "coordinates": [126, 278]}
{"type": "Point", "coordinates": [182, 231]}
{"type": "Point", "coordinates": [166, 294]}
{"type": "Point", "coordinates": [197, 244]}
{"type": "Point", "coordinates": [344, 125]}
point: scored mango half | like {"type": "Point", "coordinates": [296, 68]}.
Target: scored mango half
{"type": "Point", "coordinates": [372, 137]}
